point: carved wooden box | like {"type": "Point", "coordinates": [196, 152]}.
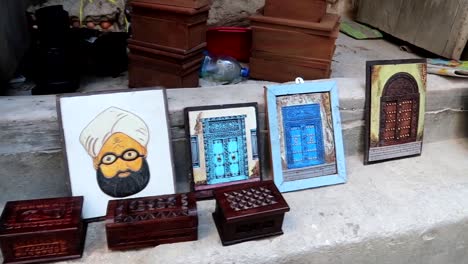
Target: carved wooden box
{"type": "Point", "coordinates": [169, 26]}
{"type": "Point", "coordinates": [151, 221]}
{"type": "Point", "coordinates": [43, 230]}
{"type": "Point", "coordinates": [249, 211]}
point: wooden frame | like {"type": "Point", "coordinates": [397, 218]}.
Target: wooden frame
{"type": "Point", "coordinates": [143, 111]}
{"type": "Point", "coordinates": [197, 147]}
{"type": "Point", "coordinates": [395, 91]}
{"type": "Point", "coordinates": [308, 176]}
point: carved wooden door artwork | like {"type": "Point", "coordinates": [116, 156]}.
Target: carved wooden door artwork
{"type": "Point", "coordinates": [399, 110]}
{"type": "Point", "coordinates": [303, 136]}
{"type": "Point", "coordinates": [226, 149]}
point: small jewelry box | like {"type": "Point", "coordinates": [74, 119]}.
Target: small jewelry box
{"type": "Point", "coordinates": [249, 211]}
{"type": "Point", "coordinates": [42, 230]}
{"type": "Point", "coordinates": [151, 221]}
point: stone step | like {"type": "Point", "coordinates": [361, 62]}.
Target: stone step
{"type": "Point", "coordinates": [31, 151]}
{"type": "Point", "coordinates": [409, 211]}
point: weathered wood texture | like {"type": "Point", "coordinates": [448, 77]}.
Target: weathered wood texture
{"type": "Point", "coordinates": [437, 26]}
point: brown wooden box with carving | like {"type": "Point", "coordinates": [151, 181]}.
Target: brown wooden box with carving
{"type": "Point", "coordinates": [169, 26]}
{"type": "Point", "coordinates": [151, 221]}
{"type": "Point", "coordinates": [44, 230]}
{"type": "Point", "coordinates": [306, 10]}
{"type": "Point", "coordinates": [249, 211]}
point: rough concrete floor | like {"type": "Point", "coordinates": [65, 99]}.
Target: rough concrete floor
{"type": "Point", "coordinates": [349, 61]}
{"type": "Point", "coordinates": [411, 211]}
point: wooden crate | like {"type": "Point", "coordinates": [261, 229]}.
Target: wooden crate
{"type": "Point", "coordinates": [163, 55]}
{"type": "Point", "coordinates": [148, 72]}
{"type": "Point", "coordinates": [173, 51]}
{"type": "Point", "coordinates": [288, 69]}
{"type": "Point", "coordinates": [305, 10]}
{"type": "Point", "coordinates": [290, 38]}
{"type": "Point", "coordinates": [181, 3]}
{"type": "Point", "coordinates": [169, 26]}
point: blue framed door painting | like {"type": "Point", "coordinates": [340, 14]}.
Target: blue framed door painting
{"type": "Point", "coordinates": [305, 135]}
{"type": "Point", "coordinates": [223, 146]}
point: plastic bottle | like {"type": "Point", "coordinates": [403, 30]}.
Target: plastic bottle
{"type": "Point", "coordinates": [223, 69]}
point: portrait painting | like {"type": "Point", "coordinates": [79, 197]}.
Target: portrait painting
{"type": "Point", "coordinates": [395, 109]}
{"type": "Point", "coordinates": [117, 145]}
{"type": "Point", "coordinates": [223, 146]}
{"type": "Point", "coordinates": [305, 135]}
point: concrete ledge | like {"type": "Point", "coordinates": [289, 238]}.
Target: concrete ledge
{"type": "Point", "coordinates": [28, 126]}
{"type": "Point", "coordinates": [410, 211]}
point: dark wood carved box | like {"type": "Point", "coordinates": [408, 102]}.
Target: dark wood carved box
{"type": "Point", "coordinates": [43, 230]}
{"type": "Point", "coordinates": [249, 211]}
{"type": "Point", "coordinates": [151, 221]}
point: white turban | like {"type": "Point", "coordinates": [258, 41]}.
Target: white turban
{"type": "Point", "coordinates": [109, 122]}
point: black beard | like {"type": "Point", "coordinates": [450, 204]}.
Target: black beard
{"type": "Point", "coordinates": [123, 187]}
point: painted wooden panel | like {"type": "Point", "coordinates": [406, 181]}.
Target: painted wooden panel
{"type": "Point", "coordinates": [315, 175]}
{"type": "Point", "coordinates": [438, 26]}
{"type": "Point", "coordinates": [226, 149]}
{"type": "Point", "coordinates": [304, 139]}
{"type": "Point", "coordinates": [395, 109]}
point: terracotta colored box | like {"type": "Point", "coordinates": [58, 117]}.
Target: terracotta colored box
{"type": "Point", "coordinates": [140, 49]}
{"type": "Point", "coordinates": [169, 26]}
{"type": "Point", "coordinates": [293, 38]}
{"type": "Point", "coordinates": [249, 211]}
{"type": "Point", "coordinates": [43, 230]}
{"type": "Point", "coordinates": [151, 221]}
{"type": "Point", "coordinates": [167, 70]}
{"type": "Point", "coordinates": [147, 72]}
{"type": "Point", "coordinates": [306, 10]}
{"type": "Point", "coordinates": [181, 3]}
{"type": "Point", "coordinates": [287, 69]}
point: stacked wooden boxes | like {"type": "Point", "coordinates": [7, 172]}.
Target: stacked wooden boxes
{"type": "Point", "coordinates": [168, 38]}
{"type": "Point", "coordinates": [292, 39]}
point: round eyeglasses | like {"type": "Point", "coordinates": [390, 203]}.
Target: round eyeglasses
{"type": "Point", "coordinates": [128, 155]}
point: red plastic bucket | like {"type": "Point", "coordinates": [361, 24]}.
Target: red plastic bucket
{"type": "Point", "coordinates": [231, 41]}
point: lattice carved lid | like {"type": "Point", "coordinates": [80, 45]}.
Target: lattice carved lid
{"type": "Point", "coordinates": [157, 208]}
{"type": "Point", "coordinates": [41, 215]}
{"type": "Point", "coordinates": [250, 199]}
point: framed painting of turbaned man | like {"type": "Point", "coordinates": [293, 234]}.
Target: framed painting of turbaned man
{"type": "Point", "coordinates": [117, 145]}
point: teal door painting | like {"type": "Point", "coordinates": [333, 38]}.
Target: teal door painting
{"type": "Point", "coordinates": [303, 136]}
{"type": "Point", "coordinates": [226, 149]}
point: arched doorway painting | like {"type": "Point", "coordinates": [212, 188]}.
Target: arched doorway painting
{"type": "Point", "coordinates": [399, 112]}
{"type": "Point", "coordinates": [395, 107]}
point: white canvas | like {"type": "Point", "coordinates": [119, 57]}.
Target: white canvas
{"type": "Point", "coordinates": [140, 118]}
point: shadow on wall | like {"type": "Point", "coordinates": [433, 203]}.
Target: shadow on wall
{"type": "Point", "coordinates": [14, 36]}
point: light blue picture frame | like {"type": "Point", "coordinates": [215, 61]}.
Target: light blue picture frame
{"type": "Point", "coordinates": [271, 94]}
